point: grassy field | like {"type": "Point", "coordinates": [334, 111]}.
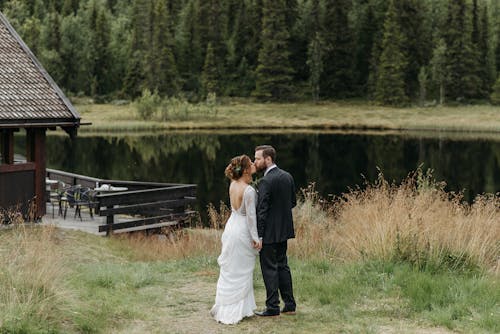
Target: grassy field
{"type": "Point", "coordinates": [326, 115]}
{"type": "Point", "coordinates": [390, 259]}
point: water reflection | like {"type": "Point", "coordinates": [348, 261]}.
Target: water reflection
{"type": "Point", "coordinates": [334, 162]}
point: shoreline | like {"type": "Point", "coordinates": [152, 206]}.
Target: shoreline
{"type": "Point", "coordinates": [328, 116]}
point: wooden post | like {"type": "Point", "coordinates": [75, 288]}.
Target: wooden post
{"type": "Point", "coordinates": [109, 222]}
{"type": "Point", "coordinates": [8, 146]}
{"type": "Point", "coordinates": [35, 152]}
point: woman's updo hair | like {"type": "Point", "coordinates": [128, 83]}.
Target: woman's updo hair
{"type": "Point", "coordinates": [237, 166]}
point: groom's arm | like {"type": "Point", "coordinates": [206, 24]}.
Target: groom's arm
{"type": "Point", "coordinates": [263, 206]}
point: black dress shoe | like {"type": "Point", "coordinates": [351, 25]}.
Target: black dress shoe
{"type": "Point", "coordinates": [267, 313]}
{"type": "Point", "coordinates": [288, 310]}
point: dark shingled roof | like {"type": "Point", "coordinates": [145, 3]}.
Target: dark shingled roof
{"type": "Point", "coordinates": [28, 95]}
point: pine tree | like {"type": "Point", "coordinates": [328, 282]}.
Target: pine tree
{"type": "Point", "coordinates": [189, 53]}
{"type": "Point", "coordinates": [379, 10]}
{"type": "Point", "coordinates": [315, 64]}
{"type": "Point", "coordinates": [254, 25]}
{"type": "Point", "coordinates": [210, 76]}
{"type": "Point", "coordinates": [423, 82]}
{"type": "Point", "coordinates": [239, 79]}
{"type": "Point", "coordinates": [98, 49]}
{"type": "Point", "coordinates": [439, 69]}
{"type": "Point", "coordinates": [50, 54]}
{"type": "Point", "coordinates": [297, 44]}
{"type": "Point", "coordinates": [133, 83]}
{"type": "Point", "coordinates": [274, 72]}
{"type": "Point", "coordinates": [216, 36]}
{"type": "Point", "coordinates": [462, 81]}
{"type": "Point", "coordinates": [70, 7]}
{"type": "Point", "coordinates": [73, 60]}
{"type": "Point", "coordinates": [486, 64]}
{"type": "Point", "coordinates": [162, 74]}
{"type": "Point", "coordinates": [390, 85]}
{"type": "Point", "coordinates": [31, 31]}
{"type": "Point", "coordinates": [480, 56]}
{"type": "Point", "coordinates": [337, 80]}
{"type": "Point", "coordinates": [417, 46]}
{"type": "Point", "coordinates": [365, 45]}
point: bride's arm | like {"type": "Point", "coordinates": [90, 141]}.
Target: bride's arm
{"type": "Point", "coordinates": [250, 198]}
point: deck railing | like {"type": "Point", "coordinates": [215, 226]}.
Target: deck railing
{"type": "Point", "coordinates": [147, 205]}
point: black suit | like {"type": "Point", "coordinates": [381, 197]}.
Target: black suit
{"type": "Point", "coordinates": [275, 226]}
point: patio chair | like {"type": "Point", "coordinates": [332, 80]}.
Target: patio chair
{"type": "Point", "coordinates": [54, 195]}
{"type": "Point", "coordinates": [78, 196]}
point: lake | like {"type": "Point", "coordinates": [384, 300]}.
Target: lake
{"type": "Point", "coordinates": [334, 161]}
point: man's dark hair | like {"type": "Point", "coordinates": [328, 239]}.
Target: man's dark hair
{"type": "Point", "coordinates": [267, 151]}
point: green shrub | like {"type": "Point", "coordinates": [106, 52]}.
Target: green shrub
{"type": "Point", "coordinates": [147, 104]}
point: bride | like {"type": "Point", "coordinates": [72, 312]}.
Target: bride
{"type": "Point", "coordinates": [234, 298]}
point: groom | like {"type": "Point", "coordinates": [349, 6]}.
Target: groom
{"type": "Point", "coordinates": [275, 226]}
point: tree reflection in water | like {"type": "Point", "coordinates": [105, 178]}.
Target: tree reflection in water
{"type": "Point", "coordinates": [334, 162]}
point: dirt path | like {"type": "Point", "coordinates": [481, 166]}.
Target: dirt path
{"type": "Point", "coordinates": [185, 310]}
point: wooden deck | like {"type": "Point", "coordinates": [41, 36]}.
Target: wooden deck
{"type": "Point", "coordinates": [91, 225]}
{"type": "Point", "coordinates": [71, 223]}
{"type": "Point", "coordinates": [137, 206]}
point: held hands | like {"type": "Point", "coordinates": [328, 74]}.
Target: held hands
{"type": "Point", "coordinates": [257, 244]}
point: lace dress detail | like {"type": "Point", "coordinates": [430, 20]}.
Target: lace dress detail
{"type": "Point", "coordinates": [234, 298]}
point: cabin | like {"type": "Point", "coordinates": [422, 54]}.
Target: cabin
{"type": "Point", "coordinates": [31, 104]}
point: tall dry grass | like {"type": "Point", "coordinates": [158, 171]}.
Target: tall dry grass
{"type": "Point", "coordinates": [416, 222]}
{"type": "Point", "coordinates": [172, 245]}
{"type": "Point", "coordinates": [178, 244]}
{"type": "Point", "coordinates": [31, 277]}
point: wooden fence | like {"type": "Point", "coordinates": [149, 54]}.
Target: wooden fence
{"type": "Point", "coordinates": [147, 205]}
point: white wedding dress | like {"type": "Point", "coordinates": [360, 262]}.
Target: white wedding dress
{"type": "Point", "coordinates": [235, 299]}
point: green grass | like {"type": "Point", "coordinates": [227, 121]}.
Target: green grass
{"type": "Point", "coordinates": [346, 115]}
{"type": "Point", "coordinates": [104, 287]}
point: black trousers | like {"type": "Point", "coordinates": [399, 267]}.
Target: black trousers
{"type": "Point", "coordinates": [277, 276]}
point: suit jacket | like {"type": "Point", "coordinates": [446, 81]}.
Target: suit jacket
{"type": "Point", "coordinates": [276, 199]}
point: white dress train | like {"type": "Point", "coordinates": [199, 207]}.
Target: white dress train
{"type": "Point", "coordinates": [234, 298]}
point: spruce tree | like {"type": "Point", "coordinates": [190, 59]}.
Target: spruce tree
{"type": "Point", "coordinates": [461, 63]}
{"type": "Point", "coordinates": [486, 64]}
{"type": "Point", "coordinates": [135, 74]}
{"type": "Point", "coordinates": [315, 64]}
{"type": "Point", "coordinates": [480, 55]}
{"type": "Point", "coordinates": [379, 10]}
{"type": "Point", "coordinates": [364, 46]}
{"type": "Point", "coordinates": [254, 25]}
{"type": "Point", "coordinates": [50, 54]}
{"type": "Point", "coordinates": [216, 36]}
{"type": "Point", "coordinates": [161, 69]}
{"type": "Point", "coordinates": [210, 76]}
{"type": "Point", "coordinates": [274, 73]}
{"type": "Point", "coordinates": [98, 49]}
{"type": "Point", "coordinates": [337, 79]}
{"type": "Point", "coordinates": [417, 46]}
{"type": "Point", "coordinates": [439, 69]}
{"type": "Point", "coordinates": [189, 53]}
{"type": "Point", "coordinates": [239, 76]}
{"type": "Point", "coordinates": [75, 62]}
{"type": "Point", "coordinates": [297, 44]}
{"type": "Point", "coordinates": [390, 84]}
{"type": "Point", "coordinates": [31, 31]}
{"type": "Point", "coordinates": [70, 7]}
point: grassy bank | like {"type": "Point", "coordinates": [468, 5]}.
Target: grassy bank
{"type": "Point", "coordinates": [391, 259]}
{"type": "Point", "coordinates": [326, 115]}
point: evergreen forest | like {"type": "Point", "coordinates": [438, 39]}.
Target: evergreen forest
{"type": "Point", "coordinates": [393, 52]}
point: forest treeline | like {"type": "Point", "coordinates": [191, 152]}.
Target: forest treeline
{"type": "Point", "coordinates": [394, 52]}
